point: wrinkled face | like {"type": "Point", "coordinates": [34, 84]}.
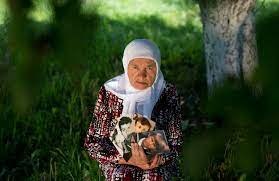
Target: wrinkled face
{"type": "Point", "coordinates": [139, 128]}
{"type": "Point", "coordinates": [149, 142]}
{"type": "Point", "coordinates": [142, 73]}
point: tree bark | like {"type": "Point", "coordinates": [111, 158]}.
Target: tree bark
{"type": "Point", "coordinates": [229, 40]}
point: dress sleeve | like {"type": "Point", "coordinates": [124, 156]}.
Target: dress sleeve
{"type": "Point", "coordinates": [173, 126]}
{"type": "Point", "coordinates": [97, 141]}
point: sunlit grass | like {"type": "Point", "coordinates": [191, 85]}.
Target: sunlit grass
{"type": "Point", "coordinates": [173, 13]}
{"type": "Point", "coordinates": [3, 11]}
{"type": "Point", "coordinates": [41, 11]}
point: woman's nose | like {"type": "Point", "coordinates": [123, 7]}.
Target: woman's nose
{"type": "Point", "coordinates": [143, 73]}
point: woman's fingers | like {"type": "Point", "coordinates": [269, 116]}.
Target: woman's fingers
{"type": "Point", "coordinates": [155, 159]}
{"type": "Point", "coordinates": [132, 147]}
{"type": "Point", "coordinates": [155, 162]}
{"type": "Point", "coordinates": [132, 139]}
{"type": "Point", "coordinates": [138, 157]}
{"type": "Point", "coordinates": [141, 151]}
{"type": "Point", "coordinates": [135, 148]}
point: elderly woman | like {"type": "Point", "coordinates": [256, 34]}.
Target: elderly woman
{"type": "Point", "coordinates": [141, 89]}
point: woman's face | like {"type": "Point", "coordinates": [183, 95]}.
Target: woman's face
{"type": "Point", "coordinates": [142, 73]}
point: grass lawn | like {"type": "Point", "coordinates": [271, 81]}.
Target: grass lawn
{"type": "Point", "coordinates": [41, 137]}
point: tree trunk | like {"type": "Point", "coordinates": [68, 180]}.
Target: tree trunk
{"type": "Point", "coordinates": [229, 40]}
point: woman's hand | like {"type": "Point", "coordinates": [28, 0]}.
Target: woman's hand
{"type": "Point", "coordinates": [139, 158]}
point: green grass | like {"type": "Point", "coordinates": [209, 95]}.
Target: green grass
{"type": "Point", "coordinates": [44, 141]}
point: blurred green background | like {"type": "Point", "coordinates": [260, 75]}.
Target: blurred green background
{"type": "Point", "coordinates": [55, 55]}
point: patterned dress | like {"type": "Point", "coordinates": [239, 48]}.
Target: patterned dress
{"type": "Point", "coordinates": [166, 113]}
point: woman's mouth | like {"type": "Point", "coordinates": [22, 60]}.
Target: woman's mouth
{"type": "Point", "coordinates": [139, 82]}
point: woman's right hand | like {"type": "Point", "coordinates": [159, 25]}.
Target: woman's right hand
{"type": "Point", "coordinates": [139, 158]}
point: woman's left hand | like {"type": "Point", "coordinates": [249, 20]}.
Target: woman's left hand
{"type": "Point", "coordinates": [156, 161]}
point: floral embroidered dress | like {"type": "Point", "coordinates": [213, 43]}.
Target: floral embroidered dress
{"type": "Point", "coordinates": [167, 116]}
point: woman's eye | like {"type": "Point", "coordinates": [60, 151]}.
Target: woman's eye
{"type": "Point", "coordinates": [135, 67]}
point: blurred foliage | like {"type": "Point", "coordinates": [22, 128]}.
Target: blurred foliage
{"type": "Point", "coordinates": [55, 54]}
{"type": "Point", "coordinates": [33, 44]}
{"type": "Point", "coordinates": [43, 78]}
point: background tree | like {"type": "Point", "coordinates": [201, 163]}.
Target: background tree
{"type": "Point", "coordinates": [229, 39]}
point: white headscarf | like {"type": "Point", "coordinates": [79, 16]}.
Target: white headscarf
{"type": "Point", "coordinates": [134, 100]}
